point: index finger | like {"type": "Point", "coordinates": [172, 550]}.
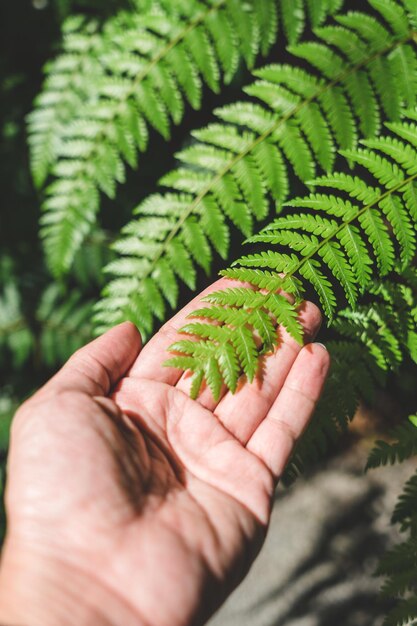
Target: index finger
{"type": "Point", "coordinates": [150, 363]}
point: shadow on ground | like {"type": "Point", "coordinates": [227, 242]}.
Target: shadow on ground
{"type": "Point", "coordinates": [326, 536]}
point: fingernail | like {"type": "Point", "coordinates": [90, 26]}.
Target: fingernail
{"type": "Point", "coordinates": [321, 344]}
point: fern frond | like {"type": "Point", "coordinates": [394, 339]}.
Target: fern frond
{"type": "Point", "coordinates": [138, 73]}
{"type": "Point", "coordinates": [89, 261]}
{"type": "Point", "coordinates": [369, 343]}
{"type": "Point", "coordinates": [16, 338]}
{"type": "Point", "coordinates": [405, 512]}
{"type": "Point", "coordinates": [404, 614]}
{"type": "Point", "coordinates": [65, 324]}
{"type": "Point", "coordinates": [399, 565]}
{"type": "Point", "coordinates": [8, 407]}
{"type": "Point", "coordinates": [71, 79]}
{"type": "Point", "coordinates": [332, 259]}
{"type": "Point", "coordinates": [404, 446]}
{"type": "Point", "coordinates": [243, 160]}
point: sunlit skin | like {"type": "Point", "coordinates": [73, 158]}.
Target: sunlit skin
{"type": "Point", "coordinates": [130, 504]}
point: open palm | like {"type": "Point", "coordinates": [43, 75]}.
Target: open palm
{"type": "Point", "coordinates": [153, 503]}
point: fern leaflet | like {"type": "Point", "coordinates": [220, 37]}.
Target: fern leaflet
{"type": "Point", "coordinates": [404, 446]}
{"type": "Point", "coordinates": [65, 324]}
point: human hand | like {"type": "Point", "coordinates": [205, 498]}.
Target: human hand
{"type": "Point", "coordinates": [128, 503]}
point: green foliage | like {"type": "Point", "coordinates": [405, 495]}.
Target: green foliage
{"type": "Point", "coordinates": [108, 87]}
{"type": "Point", "coordinates": [87, 268]}
{"type": "Point", "coordinates": [295, 122]}
{"type": "Point", "coordinates": [61, 324]}
{"type": "Point", "coordinates": [8, 406]}
{"type": "Point", "coordinates": [399, 565]}
{"type": "Point", "coordinates": [65, 324]}
{"type": "Point", "coordinates": [58, 103]}
{"type": "Point", "coordinates": [369, 343]}
{"type": "Point", "coordinates": [404, 446]}
{"type": "Point", "coordinates": [336, 248]}
{"type": "Point", "coordinates": [16, 339]}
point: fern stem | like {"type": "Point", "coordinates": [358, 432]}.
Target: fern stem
{"type": "Point", "coordinates": [412, 36]}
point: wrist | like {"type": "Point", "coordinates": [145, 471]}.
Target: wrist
{"type": "Point", "coordinates": [39, 591]}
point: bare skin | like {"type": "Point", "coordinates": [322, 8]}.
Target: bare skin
{"type": "Point", "coordinates": [128, 503]}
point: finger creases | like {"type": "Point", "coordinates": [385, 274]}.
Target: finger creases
{"type": "Point", "coordinates": [274, 439]}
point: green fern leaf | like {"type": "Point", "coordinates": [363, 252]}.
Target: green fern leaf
{"type": "Point", "coordinates": [405, 509]}
{"type": "Point", "coordinates": [16, 338]}
{"type": "Point", "coordinates": [335, 252]}
{"type": "Point", "coordinates": [367, 344]}
{"type": "Point", "coordinates": [357, 252]}
{"type": "Point", "coordinates": [403, 613]}
{"type": "Point", "coordinates": [77, 66]}
{"type": "Point", "coordinates": [246, 350]}
{"type": "Point", "coordinates": [180, 261]}
{"type": "Point", "coordinates": [213, 376]}
{"type": "Point", "coordinates": [65, 323]}
{"type": "Point", "coordinates": [364, 103]}
{"type": "Point", "coordinates": [398, 566]}
{"type": "Point", "coordinates": [367, 28]}
{"type": "Point", "coordinates": [352, 185]}
{"type": "Point", "coordinates": [136, 73]}
{"type": "Point", "coordinates": [404, 446]}
{"type": "Point", "coordinates": [293, 18]}
{"type": "Point", "coordinates": [228, 365]}
{"type": "Point", "coordinates": [379, 238]}
{"type": "Point", "coordinates": [340, 268]}
{"type": "Point", "coordinates": [311, 272]}
{"type": "Point", "coordinates": [196, 383]}
{"type": "Point", "coordinates": [397, 215]}
{"type": "Point", "coordinates": [295, 122]}
{"type": "Point", "coordinates": [404, 64]}
{"type": "Point", "coordinates": [394, 15]}
{"type": "Point", "coordinates": [284, 314]}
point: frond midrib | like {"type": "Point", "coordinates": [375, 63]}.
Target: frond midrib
{"type": "Point", "coordinates": [202, 194]}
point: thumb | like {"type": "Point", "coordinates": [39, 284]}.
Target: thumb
{"type": "Point", "coordinates": [96, 368]}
